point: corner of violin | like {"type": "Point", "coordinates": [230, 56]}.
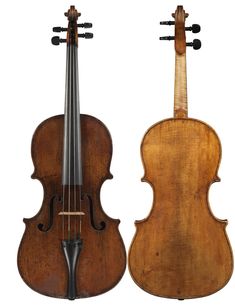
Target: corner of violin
{"type": "Point", "coordinates": [216, 179]}
{"type": "Point", "coordinates": [143, 179]}
{"type": "Point", "coordinates": [33, 175]}
{"type": "Point", "coordinates": [109, 176]}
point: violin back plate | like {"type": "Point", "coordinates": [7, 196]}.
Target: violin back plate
{"type": "Point", "coordinates": [181, 249]}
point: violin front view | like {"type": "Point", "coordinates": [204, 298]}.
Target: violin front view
{"type": "Point", "coordinates": [181, 250]}
{"type": "Point", "coordinates": [71, 248]}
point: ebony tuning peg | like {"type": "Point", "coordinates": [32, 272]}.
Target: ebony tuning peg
{"type": "Point", "coordinates": [167, 22]}
{"type": "Point", "coordinates": [85, 25]}
{"type": "Point", "coordinates": [195, 28]}
{"type": "Point", "coordinates": [59, 29]}
{"type": "Point", "coordinates": [196, 44]}
{"type": "Point", "coordinates": [56, 40]}
{"type": "Point", "coordinates": [167, 38]}
{"type": "Point", "coordinates": [86, 35]}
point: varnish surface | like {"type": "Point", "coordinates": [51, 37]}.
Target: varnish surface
{"type": "Point", "coordinates": [41, 260]}
{"type": "Point", "coordinates": [181, 250]}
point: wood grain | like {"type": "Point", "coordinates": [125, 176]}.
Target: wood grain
{"type": "Point", "coordinates": [180, 93]}
{"type": "Point", "coordinates": [181, 249]}
{"type": "Point", "coordinates": [180, 39]}
{"type": "Point", "coordinates": [41, 261]}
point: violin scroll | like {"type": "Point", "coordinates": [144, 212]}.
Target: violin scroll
{"type": "Point", "coordinates": [72, 32]}
{"type": "Point", "coordinates": [180, 37]}
{"type": "Point", "coordinates": [72, 14]}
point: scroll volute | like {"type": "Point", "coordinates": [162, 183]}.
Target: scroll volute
{"type": "Point", "coordinates": [180, 39]}
{"type": "Point", "coordinates": [72, 32]}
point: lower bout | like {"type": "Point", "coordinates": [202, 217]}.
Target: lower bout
{"type": "Point", "coordinates": [179, 271]}
{"type": "Point", "coordinates": [170, 282]}
{"type": "Point", "coordinates": [95, 273]}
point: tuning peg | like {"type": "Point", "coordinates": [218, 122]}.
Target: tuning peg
{"type": "Point", "coordinates": [85, 25]}
{"type": "Point", "coordinates": [56, 40]}
{"type": "Point", "coordinates": [167, 22]}
{"type": "Point", "coordinates": [167, 38]}
{"type": "Point", "coordinates": [195, 28]}
{"type": "Point", "coordinates": [86, 35]}
{"type": "Point", "coordinates": [196, 44]}
{"type": "Point", "coordinates": [59, 29]}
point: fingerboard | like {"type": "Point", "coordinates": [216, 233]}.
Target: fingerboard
{"type": "Point", "coordinates": [72, 161]}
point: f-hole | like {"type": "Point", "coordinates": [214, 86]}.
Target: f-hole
{"type": "Point", "coordinates": [55, 199]}
{"type": "Point", "coordinates": [101, 226]}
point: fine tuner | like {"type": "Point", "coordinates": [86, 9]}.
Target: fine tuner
{"type": "Point", "coordinates": [195, 28]}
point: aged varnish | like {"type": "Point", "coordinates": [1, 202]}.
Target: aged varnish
{"type": "Point", "coordinates": [71, 248]}
{"type": "Point", "coordinates": [181, 250]}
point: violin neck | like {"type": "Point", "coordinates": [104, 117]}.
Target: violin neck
{"type": "Point", "coordinates": [72, 161]}
{"type": "Point", "coordinates": [180, 94]}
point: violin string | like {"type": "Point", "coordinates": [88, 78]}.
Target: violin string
{"type": "Point", "coordinates": [78, 219]}
{"type": "Point", "coordinates": [63, 223]}
{"type": "Point", "coordinates": [79, 144]}
{"type": "Point", "coordinates": [74, 141]}
{"type": "Point", "coordinates": [69, 137]}
{"type": "Point", "coordinates": [65, 127]}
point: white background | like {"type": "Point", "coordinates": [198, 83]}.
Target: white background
{"type": "Point", "coordinates": [126, 80]}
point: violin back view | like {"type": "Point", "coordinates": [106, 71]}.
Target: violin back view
{"type": "Point", "coordinates": [180, 250]}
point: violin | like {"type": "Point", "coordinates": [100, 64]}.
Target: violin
{"type": "Point", "coordinates": [71, 248]}
{"type": "Point", "coordinates": [181, 250]}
